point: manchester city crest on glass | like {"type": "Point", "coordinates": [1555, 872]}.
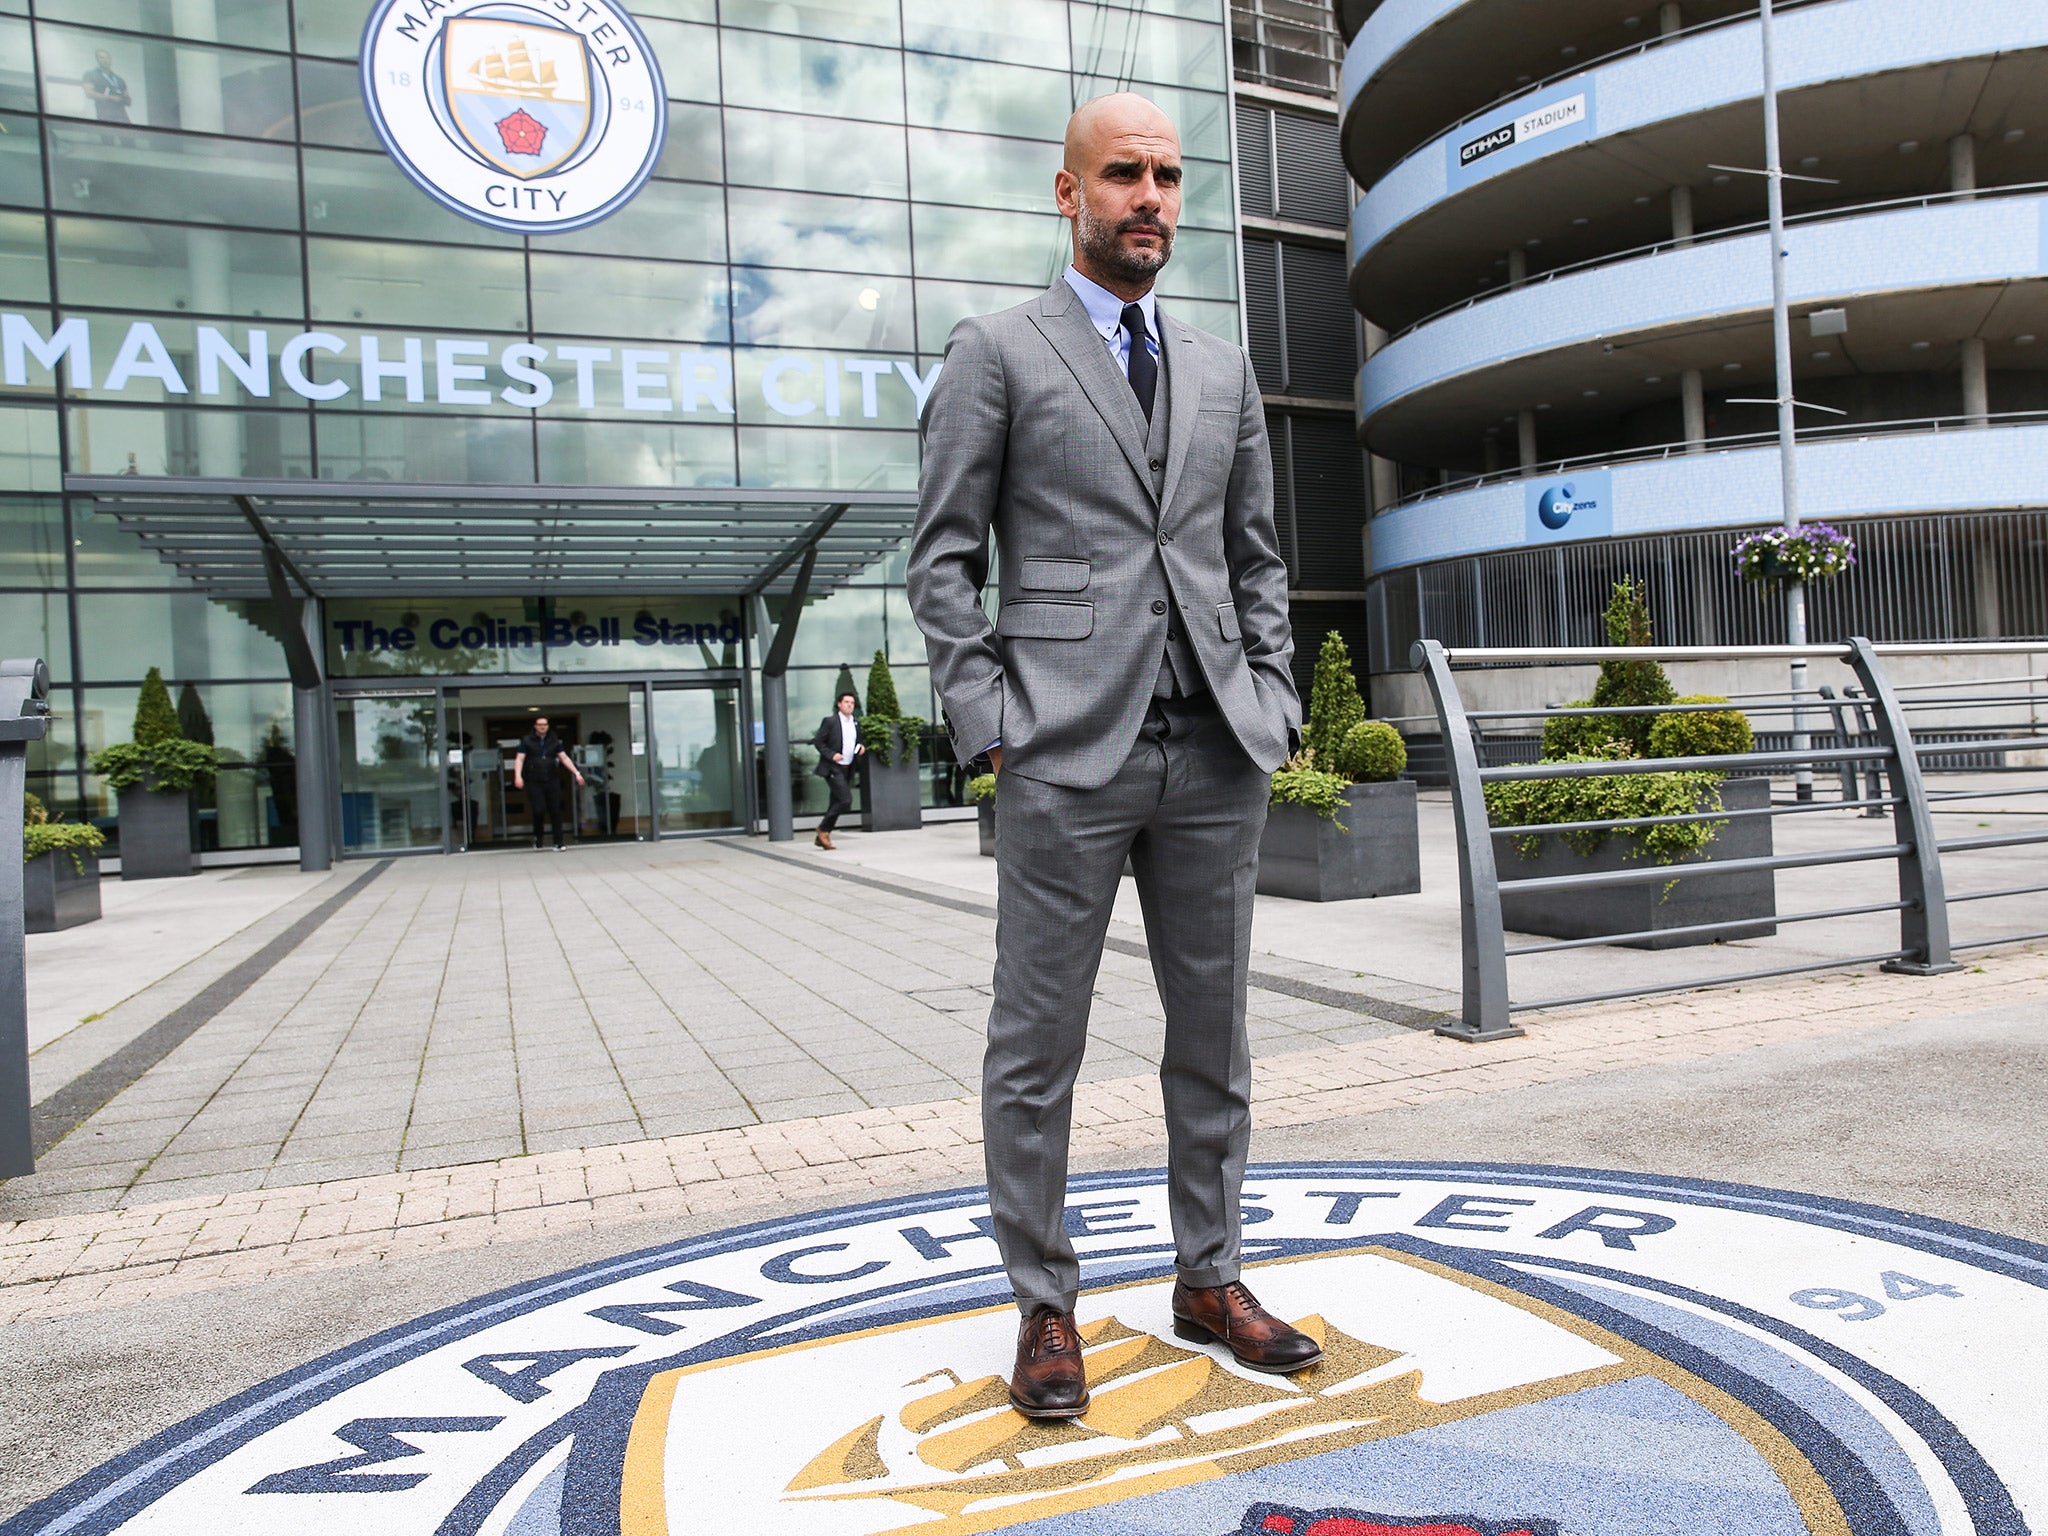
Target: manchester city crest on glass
{"type": "Point", "coordinates": [529, 118]}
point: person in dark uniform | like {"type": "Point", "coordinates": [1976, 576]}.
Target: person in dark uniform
{"type": "Point", "coordinates": [538, 770]}
{"type": "Point", "coordinates": [107, 91]}
{"type": "Point", "coordinates": [838, 743]}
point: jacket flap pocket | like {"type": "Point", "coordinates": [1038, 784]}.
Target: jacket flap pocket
{"type": "Point", "coordinates": [1054, 575]}
{"type": "Point", "coordinates": [1226, 619]}
{"type": "Point", "coordinates": [1045, 621]}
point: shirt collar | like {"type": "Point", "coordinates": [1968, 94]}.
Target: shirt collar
{"type": "Point", "coordinates": [1105, 309]}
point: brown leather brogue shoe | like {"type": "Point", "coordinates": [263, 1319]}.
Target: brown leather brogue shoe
{"type": "Point", "coordinates": [824, 841]}
{"type": "Point", "coordinates": [1230, 1315]}
{"type": "Point", "coordinates": [1050, 1382]}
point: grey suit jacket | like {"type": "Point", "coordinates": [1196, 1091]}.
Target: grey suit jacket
{"type": "Point", "coordinates": [1033, 433]}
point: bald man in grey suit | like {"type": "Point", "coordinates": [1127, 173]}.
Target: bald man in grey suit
{"type": "Point", "coordinates": [1134, 693]}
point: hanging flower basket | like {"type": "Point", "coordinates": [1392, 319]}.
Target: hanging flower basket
{"type": "Point", "coordinates": [1803, 555]}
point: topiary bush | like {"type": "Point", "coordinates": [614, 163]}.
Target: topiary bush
{"type": "Point", "coordinates": [33, 812]}
{"type": "Point", "coordinates": [1334, 703]}
{"type": "Point", "coordinates": [1577, 735]}
{"type": "Point", "coordinates": [158, 757]}
{"type": "Point", "coordinates": [1626, 683]}
{"type": "Point", "coordinates": [884, 712]}
{"type": "Point", "coordinates": [1371, 752]}
{"type": "Point", "coordinates": [1709, 733]}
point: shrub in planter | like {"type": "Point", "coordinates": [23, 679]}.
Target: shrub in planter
{"type": "Point", "coordinates": [60, 870]}
{"type": "Point", "coordinates": [981, 790]}
{"type": "Point", "coordinates": [1622, 685]}
{"type": "Point", "coordinates": [893, 801]}
{"type": "Point", "coordinates": [1340, 824]}
{"type": "Point", "coordinates": [154, 773]}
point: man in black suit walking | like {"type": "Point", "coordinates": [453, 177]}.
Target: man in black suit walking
{"type": "Point", "coordinates": [838, 743]}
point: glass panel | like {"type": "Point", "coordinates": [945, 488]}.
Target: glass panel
{"type": "Point", "coordinates": [37, 624]}
{"type": "Point", "coordinates": [987, 98]}
{"type": "Point", "coordinates": [851, 21]}
{"type": "Point", "coordinates": [21, 161]}
{"type": "Point", "coordinates": [31, 543]}
{"type": "Point", "coordinates": [646, 300]}
{"type": "Point", "coordinates": [814, 154]}
{"type": "Point", "coordinates": [1127, 45]}
{"type": "Point", "coordinates": [28, 449]}
{"type": "Point", "coordinates": [331, 107]}
{"type": "Point", "coordinates": [108, 440]}
{"type": "Point", "coordinates": [438, 375]}
{"type": "Point", "coordinates": [485, 728]}
{"type": "Point", "coordinates": [423, 449]}
{"type": "Point", "coordinates": [803, 389]}
{"type": "Point", "coordinates": [108, 555]}
{"type": "Point", "coordinates": [332, 27]}
{"type": "Point", "coordinates": [1202, 117]}
{"type": "Point", "coordinates": [250, 23]}
{"type": "Point", "coordinates": [677, 223]}
{"type": "Point", "coordinates": [986, 247]}
{"type": "Point", "coordinates": [354, 280]}
{"type": "Point", "coordinates": [982, 172]}
{"type": "Point", "coordinates": [839, 461]}
{"type": "Point", "coordinates": [628, 453]}
{"type": "Point", "coordinates": [1205, 195]}
{"type": "Point", "coordinates": [695, 381]}
{"type": "Point", "coordinates": [815, 233]}
{"type": "Point", "coordinates": [17, 74]}
{"type": "Point", "coordinates": [1204, 266]}
{"type": "Point", "coordinates": [160, 84]}
{"type": "Point", "coordinates": [941, 306]}
{"type": "Point", "coordinates": [159, 267]}
{"type": "Point", "coordinates": [1013, 31]}
{"type": "Point", "coordinates": [391, 795]}
{"type": "Point", "coordinates": [694, 148]}
{"type": "Point", "coordinates": [123, 634]}
{"type": "Point", "coordinates": [1211, 315]}
{"type": "Point", "coordinates": [599, 634]}
{"type": "Point", "coordinates": [688, 57]}
{"type": "Point", "coordinates": [174, 177]}
{"type": "Point", "coordinates": [24, 258]}
{"type": "Point", "coordinates": [794, 74]}
{"type": "Point", "coordinates": [253, 801]}
{"type": "Point", "coordinates": [696, 744]}
{"type": "Point", "coordinates": [843, 628]}
{"type": "Point", "coordinates": [821, 309]}
{"type": "Point", "coordinates": [459, 637]}
{"type": "Point", "coordinates": [676, 10]}
{"type": "Point", "coordinates": [368, 195]}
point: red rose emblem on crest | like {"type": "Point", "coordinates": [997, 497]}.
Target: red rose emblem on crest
{"type": "Point", "coordinates": [522, 132]}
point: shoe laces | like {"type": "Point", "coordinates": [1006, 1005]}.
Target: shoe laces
{"type": "Point", "coordinates": [1052, 1332]}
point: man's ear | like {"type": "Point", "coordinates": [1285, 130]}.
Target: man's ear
{"type": "Point", "coordinates": [1066, 192]}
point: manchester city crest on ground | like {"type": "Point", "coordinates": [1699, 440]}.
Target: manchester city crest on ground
{"type": "Point", "coordinates": [1509, 1351]}
{"type": "Point", "coordinates": [530, 117]}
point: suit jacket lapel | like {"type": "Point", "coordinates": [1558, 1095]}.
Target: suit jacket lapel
{"type": "Point", "coordinates": [1064, 320]}
{"type": "Point", "coordinates": [1184, 399]}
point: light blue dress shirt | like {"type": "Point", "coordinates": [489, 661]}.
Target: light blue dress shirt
{"type": "Point", "coordinates": [1106, 314]}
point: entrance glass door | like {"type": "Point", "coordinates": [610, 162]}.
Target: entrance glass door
{"type": "Point", "coordinates": [697, 785]}
{"type": "Point", "coordinates": [599, 723]}
{"type": "Point", "coordinates": [391, 777]}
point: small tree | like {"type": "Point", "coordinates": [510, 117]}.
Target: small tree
{"type": "Point", "coordinates": [1623, 684]}
{"type": "Point", "coordinates": [884, 715]}
{"type": "Point", "coordinates": [844, 685]}
{"type": "Point", "coordinates": [1334, 702]}
{"type": "Point", "coordinates": [881, 689]}
{"type": "Point", "coordinates": [193, 720]}
{"type": "Point", "coordinates": [158, 757]}
{"type": "Point", "coordinates": [156, 720]}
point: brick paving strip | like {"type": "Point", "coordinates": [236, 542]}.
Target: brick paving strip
{"type": "Point", "coordinates": [51, 1266]}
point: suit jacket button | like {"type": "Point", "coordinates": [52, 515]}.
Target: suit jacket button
{"type": "Point", "coordinates": [1159, 605]}
{"type": "Point", "coordinates": [1157, 465]}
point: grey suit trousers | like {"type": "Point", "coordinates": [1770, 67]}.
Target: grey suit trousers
{"type": "Point", "coordinates": [1187, 807]}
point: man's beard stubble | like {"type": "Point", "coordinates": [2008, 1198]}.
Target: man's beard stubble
{"type": "Point", "coordinates": [1102, 244]}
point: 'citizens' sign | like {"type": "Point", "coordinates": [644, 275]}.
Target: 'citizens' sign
{"type": "Point", "coordinates": [533, 118]}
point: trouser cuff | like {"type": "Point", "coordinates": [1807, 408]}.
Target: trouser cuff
{"type": "Point", "coordinates": [1209, 1278]}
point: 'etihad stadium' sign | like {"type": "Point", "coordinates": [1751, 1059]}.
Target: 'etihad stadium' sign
{"type": "Point", "coordinates": [450, 370]}
{"type": "Point", "coordinates": [534, 118]}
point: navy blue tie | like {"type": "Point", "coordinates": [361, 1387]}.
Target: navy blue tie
{"type": "Point", "coordinates": [1144, 367]}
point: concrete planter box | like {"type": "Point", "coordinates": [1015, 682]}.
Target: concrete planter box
{"type": "Point", "coordinates": [156, 834]}
{"type": "Point", "coordinates": [985, 821]}
{"type": "Point", "coordinates": [55, 893]}
{"type": "Point", "coordinates": [1640, 908]}
{"type": "Point", "coordinates": [1303, 856]}
{"type": "Point", "coordinates": [892, 796]}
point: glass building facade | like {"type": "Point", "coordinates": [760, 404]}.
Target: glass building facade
{"type": "Point", "coordinates": [211, 269]}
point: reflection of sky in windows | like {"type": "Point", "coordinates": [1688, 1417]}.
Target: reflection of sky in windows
{"type": "Point", "coordinates": [972, 97]}
{"type": "Point", "coordinates": [1012, 31]}
{"type": "Point", "coordinates": [806, 75]}
{"type": "Point", "coordinates": [814, 154]}
{"type": "Point", "coordinates": [654, 300]}
{"type": "Point", "coordinates": [846, 461]}
{"type": "Point", "coordinates": [818, 233]}
{"type": "Point", "coordinates": [821, 309]}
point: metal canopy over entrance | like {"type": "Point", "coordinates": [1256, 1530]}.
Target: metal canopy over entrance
{"type": "Point", "coordinates": [374, 540]}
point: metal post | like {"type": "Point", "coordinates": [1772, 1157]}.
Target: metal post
{"type": "Point", "coordinates": [1485, 1012]}
{"type": "Point", "coordinates": [1923, 922]}
{"type": "Point", "coordinates": [775, 699]}
{"type": "Point", "coordinates": [24, 707]}
{"type": "Point", "coordinates": [1788, 434]}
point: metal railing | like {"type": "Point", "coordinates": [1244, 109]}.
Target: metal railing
{"type": "Point", "coordinates": [1874, 733]}
{"type": "Point", "coordinates": [24, 712]}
